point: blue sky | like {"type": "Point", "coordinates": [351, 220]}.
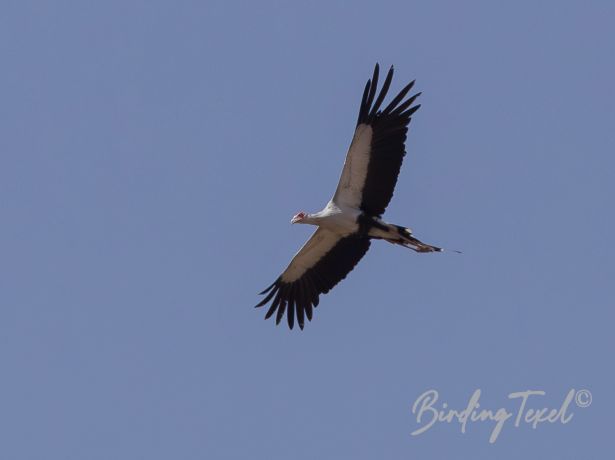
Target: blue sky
{"type": "Point", "coordinates": [152, 155]}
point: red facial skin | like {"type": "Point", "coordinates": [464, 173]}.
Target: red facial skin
{"type": "Point", "coordinates": [298, 217]}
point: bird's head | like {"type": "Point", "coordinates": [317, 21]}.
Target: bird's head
{"type": "Point", "coordinates": [298, 218]}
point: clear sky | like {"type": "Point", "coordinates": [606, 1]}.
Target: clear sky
{"type": "Point", "coordinates": [152, 154]}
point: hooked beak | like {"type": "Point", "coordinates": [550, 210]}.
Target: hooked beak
{"type": "Point", "coordinates": [294, 220]}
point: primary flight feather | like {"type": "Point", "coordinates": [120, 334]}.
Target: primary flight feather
{"type": "Point", "coordinates": [352, 218]}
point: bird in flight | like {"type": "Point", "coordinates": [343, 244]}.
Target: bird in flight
{"type": "Point", "coordinates": [352, 218]}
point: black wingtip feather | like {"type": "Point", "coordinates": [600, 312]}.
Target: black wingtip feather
{"type": "Point", "coordinates": [268, 288]}
{"type": "Point", "coordinates": [410, 111]}
{"type": "Point", "coordinates": [266, 299]}
{"type": "Point", "coordinates": [301, 302]}
{"type": "Point", "coordinates": [382, 95]}
{"type": "Point", "coordinates": [291, 296]}
{"type": "Point", "coordinates": [291, 316]}
{"type": "Point", "coordinates": [362, 108]}
{"type": "Point", "coordinates": [403, 106]}
{"type": "Point", "coordinates": [280, 314]}
{"type": "Point", "coordinates": [373, 88]}
{"type": "Point", "coordinates": [308, 310]}
{"type": "Point", "coordinates": [397, 99]}
{"type": "Point", "coordinates": [274, 306]}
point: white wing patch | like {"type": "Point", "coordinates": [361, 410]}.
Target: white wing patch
{"type": "Point", "coordinates": [349, 190]}
{"type": "Point", "coordinates": [321, 242]}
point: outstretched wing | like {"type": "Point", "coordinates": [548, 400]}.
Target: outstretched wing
{"type": "Point", "coordinates": [323, 261]}
{"type": "Point", "coordinates": [377, 149]}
